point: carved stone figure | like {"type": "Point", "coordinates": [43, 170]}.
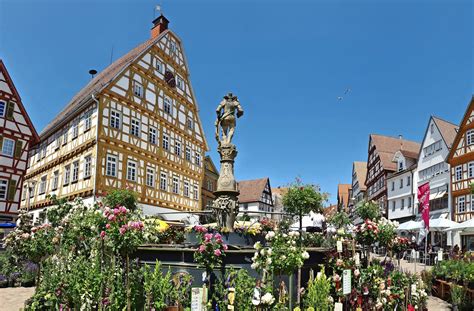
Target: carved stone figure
{"type": "Point", "coordinates": [226, 118]}
{"type": "Point", "coordinates": [226, 205]}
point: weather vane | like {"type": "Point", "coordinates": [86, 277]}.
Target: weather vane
{"type": "Point", "coordinates": [157, 9]}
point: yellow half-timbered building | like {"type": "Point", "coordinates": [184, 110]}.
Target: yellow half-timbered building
{"type": "Point", "coordinates": [135, 125]}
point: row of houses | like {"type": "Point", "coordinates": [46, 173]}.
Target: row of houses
{"type": "Point", "coordinates": [396, 167]}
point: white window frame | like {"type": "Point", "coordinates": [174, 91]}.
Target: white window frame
{"type": "Point", "coordinates": [152, 134]}
{"type": "Point", "coordinates": [11, 147]}
{"type": "Point", "coordinates": [65, 136]}
{"type": "Point", "coordinates": [166, 142]}
{"type": "Point", "coordinates": [458, 172]}
{"type": "Point", "coordinates": [159, 65]}
{"type": "Point", "coordinates": [470, 137]}
{"type": "Point", "coordinates": [87, 121]}
{"type": "Point", "coordinates": [163, 181]}
{"type": "Point", "coordinates": [135, 127]}
{"type": "Point", "coordinates": [55, 182]}
{"type": "Point", "coordinates": [177, 148]}
{"type": "Point", "coordinates": [3, 108]}
{"type": "Point", "coordinates": [463, 201]}
{"type": "Point", "coordinates": [87, 166]}
{"type": "Point", "coordinates": [197, 158]}
{"type": "Point", "coordinates": [150, 177]}
{"type": "Point", "coordinates": [175, 188]}
{"type": "Point", "coordinates": [3, 189]}
{"type": "Point", "coordinates": [470, 169]}
{"type": "Point", "coordinates": [186, 188]}
{"type": "Point", "coordinates": [195, 192]}
{"type": "Point", "coordinates": [111, 166]}
{"type": "Point", "coordinates": [115, 119]}
{"type": "Point", "coordinates": [168, 105]}
{"type": "Point", "coordinates": [42, 185]}
{"type": "Point", "coordinates": [137, 89]}
{"type": "Point", "coordinates": [67, 175]}
{"type": "Point", "coordinates": [188, 154]}
{"type": "Point", "coordinates": [75, 130]}
{"type": "Point", "coordinates": [75, 172]}
{"type": "Point", "coordinates": [190, 123]}
{"type": "Point", "coordinates": [180, 83]}
{"type": "Point", "coordinates": [131, 170]}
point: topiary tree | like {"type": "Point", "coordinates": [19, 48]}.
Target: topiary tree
{"type": "Point", "coordinates": [368, 210]}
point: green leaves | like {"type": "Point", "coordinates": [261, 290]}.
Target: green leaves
{"type": "Point", "coordinates": [301, 199]}
{"type": "Point", "coordinates": [368, 210]}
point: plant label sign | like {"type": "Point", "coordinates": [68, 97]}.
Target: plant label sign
{"type": "Point", "coordinates": [197, 299]}
{"type": "Point", "coordinates": [338, 306]}
{"type": "Point", "coordinates": [440, 255]}
{"type": "Point", "coordinates": [339, 246]}
{"type": "Point", "coordinates": [346, 282]}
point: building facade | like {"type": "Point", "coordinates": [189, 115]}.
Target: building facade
{"type": "Point", "coordinates": [255, 198]}
{"type": "Point", "coordinates": [358, 189]}
{"type": "Point", "coordinates": [401, 191]}
{"type": "Point", "coordinates": [433, 167]}
{"type": "Point", "coordinates": [135, 125]}
{"type": "Point", "coordinates": [380, 165]}
{"type": "Point", "coordinates": [209, 185]}
{"type": "Point", "coordinates": [343, 197]}
{"type": "Point", "coordinates": [461, 160]}
{"type": "Point", "coordinates": [17, 134]}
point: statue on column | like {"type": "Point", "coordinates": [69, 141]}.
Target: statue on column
{"type": "Point", "coordinates": [226, 204]}
{"type": "Point", "coordinates": [225, 122]}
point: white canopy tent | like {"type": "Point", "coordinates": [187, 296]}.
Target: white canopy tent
{"type": "Point", "coordinates": [439, 224]}
{"type": "Point", "coordinates": [307, 222]}
{"type": "Point", "coordinates": [410, 226]}
{"type": "Point", "coordinates": [467, 226]}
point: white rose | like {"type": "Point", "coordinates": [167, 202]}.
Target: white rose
{"type": "Point", "coordinates": [262, 252]}
{"type": "Point", "coordinates": [269, 261]}
{"type": "Point", "coordinates": [283, 257]}
{"type": "Point", "coordinates": [257, 245]}
{"type": "Point", "coordinates": [254, 265]}
{"type": "Point", "coordinates": [268, 299]}
{"type": "Point", "coordinates": [269, 252]}
{"type": "Point", "coordinates": [305, 255]}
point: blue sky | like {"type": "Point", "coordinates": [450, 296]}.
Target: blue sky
{"type": "Point", "coordinates": [288, 61]}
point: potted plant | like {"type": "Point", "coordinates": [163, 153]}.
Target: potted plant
{"type": "Point", "coordinates": [457, 296]}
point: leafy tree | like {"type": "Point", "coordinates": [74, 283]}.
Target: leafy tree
{"type": "Point", "coordinates": [368, 210]}
{"type": "Point", "coordinates": [125, 197]}
{"type": "Point", "coordinates": [340, 219]}
{"type": "Point", "coordinates": [302, 199]}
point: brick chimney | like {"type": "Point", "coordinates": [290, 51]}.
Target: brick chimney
{"type": "Point", "coordinates": [160, 24]}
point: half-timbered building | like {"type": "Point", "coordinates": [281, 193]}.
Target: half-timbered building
{"type": "Point", "coordinates": [135, 125]}
{"type": "Point", "coordinates": [17, 134]}
{"type": "Point", "coordinates": [461, 160]}
{"type": "Point", "coordinates": [255, 198]}
{"type": "Point", "coordinates": [380, 165]}
{"type": "Point", "coordinates": [209, 185]}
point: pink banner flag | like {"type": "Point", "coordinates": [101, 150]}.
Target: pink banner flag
{"type": "Point", "coordinates": [424, 203]}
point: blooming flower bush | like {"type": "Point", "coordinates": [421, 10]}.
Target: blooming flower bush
{"type": "Point", "coordinates": [211, 250]}
{"type": "Point", "coordinates": [367, 232]}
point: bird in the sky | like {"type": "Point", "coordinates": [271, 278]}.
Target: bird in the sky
{"type": "Point", "coordinates": [345, 93]}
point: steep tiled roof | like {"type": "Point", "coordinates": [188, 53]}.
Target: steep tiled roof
{"type": "Point", "coordinates": [386, 147]}
{"type": "Point", "coordinates": [98, 83]}
{"type": "Point", "coordinates": [447, 129]}
{"type": "Point", "coordinates": [280, 190]}
{"type": "Point", "coordinates": [360, 169]}
{"type": "Point", "coordinates": [251, 190]}
{"type": "Point", "coordinates": [328, 212]}
{"type": "Point", "coordinates": [343, 193]}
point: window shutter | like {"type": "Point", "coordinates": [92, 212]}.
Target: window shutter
{"type": "Point", "coordinates": [18, 149]}
{"type": "Point", "coordinates": [10, 110]}
{"type": "Point", "coordinates": [11, 190]}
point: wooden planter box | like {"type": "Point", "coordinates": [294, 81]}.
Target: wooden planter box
{"type": "Point", "coordinates": [442, 289]}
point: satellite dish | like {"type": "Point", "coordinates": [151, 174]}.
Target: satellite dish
{"type": "Point", "coordinates": [92, 72]}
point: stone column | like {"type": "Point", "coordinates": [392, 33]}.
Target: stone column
{"type": "Point", "coordinates": [226, 205]}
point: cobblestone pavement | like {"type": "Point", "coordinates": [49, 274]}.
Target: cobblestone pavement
{"type": "Point", "coordinates": [13, 298]}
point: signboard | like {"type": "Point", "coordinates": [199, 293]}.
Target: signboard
{"type": "Point", "coordinates": [197, 299]}
{"type": "Point", "coordinates": [440, 255]}
{"type": "Point", "coordinates": [339, 246]}
{"type": "Point", "coordinates": [357, 259]}
{"type": "Point", "coordinates": [346, 282]}
{"type": "Point", "coordinates": [338, 306]}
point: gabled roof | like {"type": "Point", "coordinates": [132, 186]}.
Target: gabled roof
{"type": "Point", "coordinates": [251, 190]}
{"type": "Point", "coordinates": [460, 132]}
{"type": "Point", "coordinates": [360, 168]}
{"type": "Point", "coordinates": [98, 83]}
{"type": "Point", "coordinates": [328, 212]}
{"type": "Point", "coordinates": [12, 86]}
{"type": "Point", "coordinates": [387, 146]}
{"type": "Point", "coordinates": [280, 191]}
{"type": "Point", "coordinates": [447, 129]}
{"type": "Point", "coordinates": [343, 193]}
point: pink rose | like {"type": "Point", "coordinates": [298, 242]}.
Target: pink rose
{"type": "Point", "coordinates": [217, 252]}
{"type": "Point", "coordinates": [116, 211]}
{"type": "Point", "coordinates": [107, 226]}
{"type": "Point", "coordinates": [111, 218]}
{"type": "Point", "coordinates": [208, 237]}
{"type": "Point", "coordinates": [122, 230]}
{"type": "Point", "coordinates": [217, 236]}
{"type": "Point", "coordinates": [225, 247]}
{"type": "Point", "coordinates": [202, 248]}
{"type": "Point", "coordinates": [102, 234]}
